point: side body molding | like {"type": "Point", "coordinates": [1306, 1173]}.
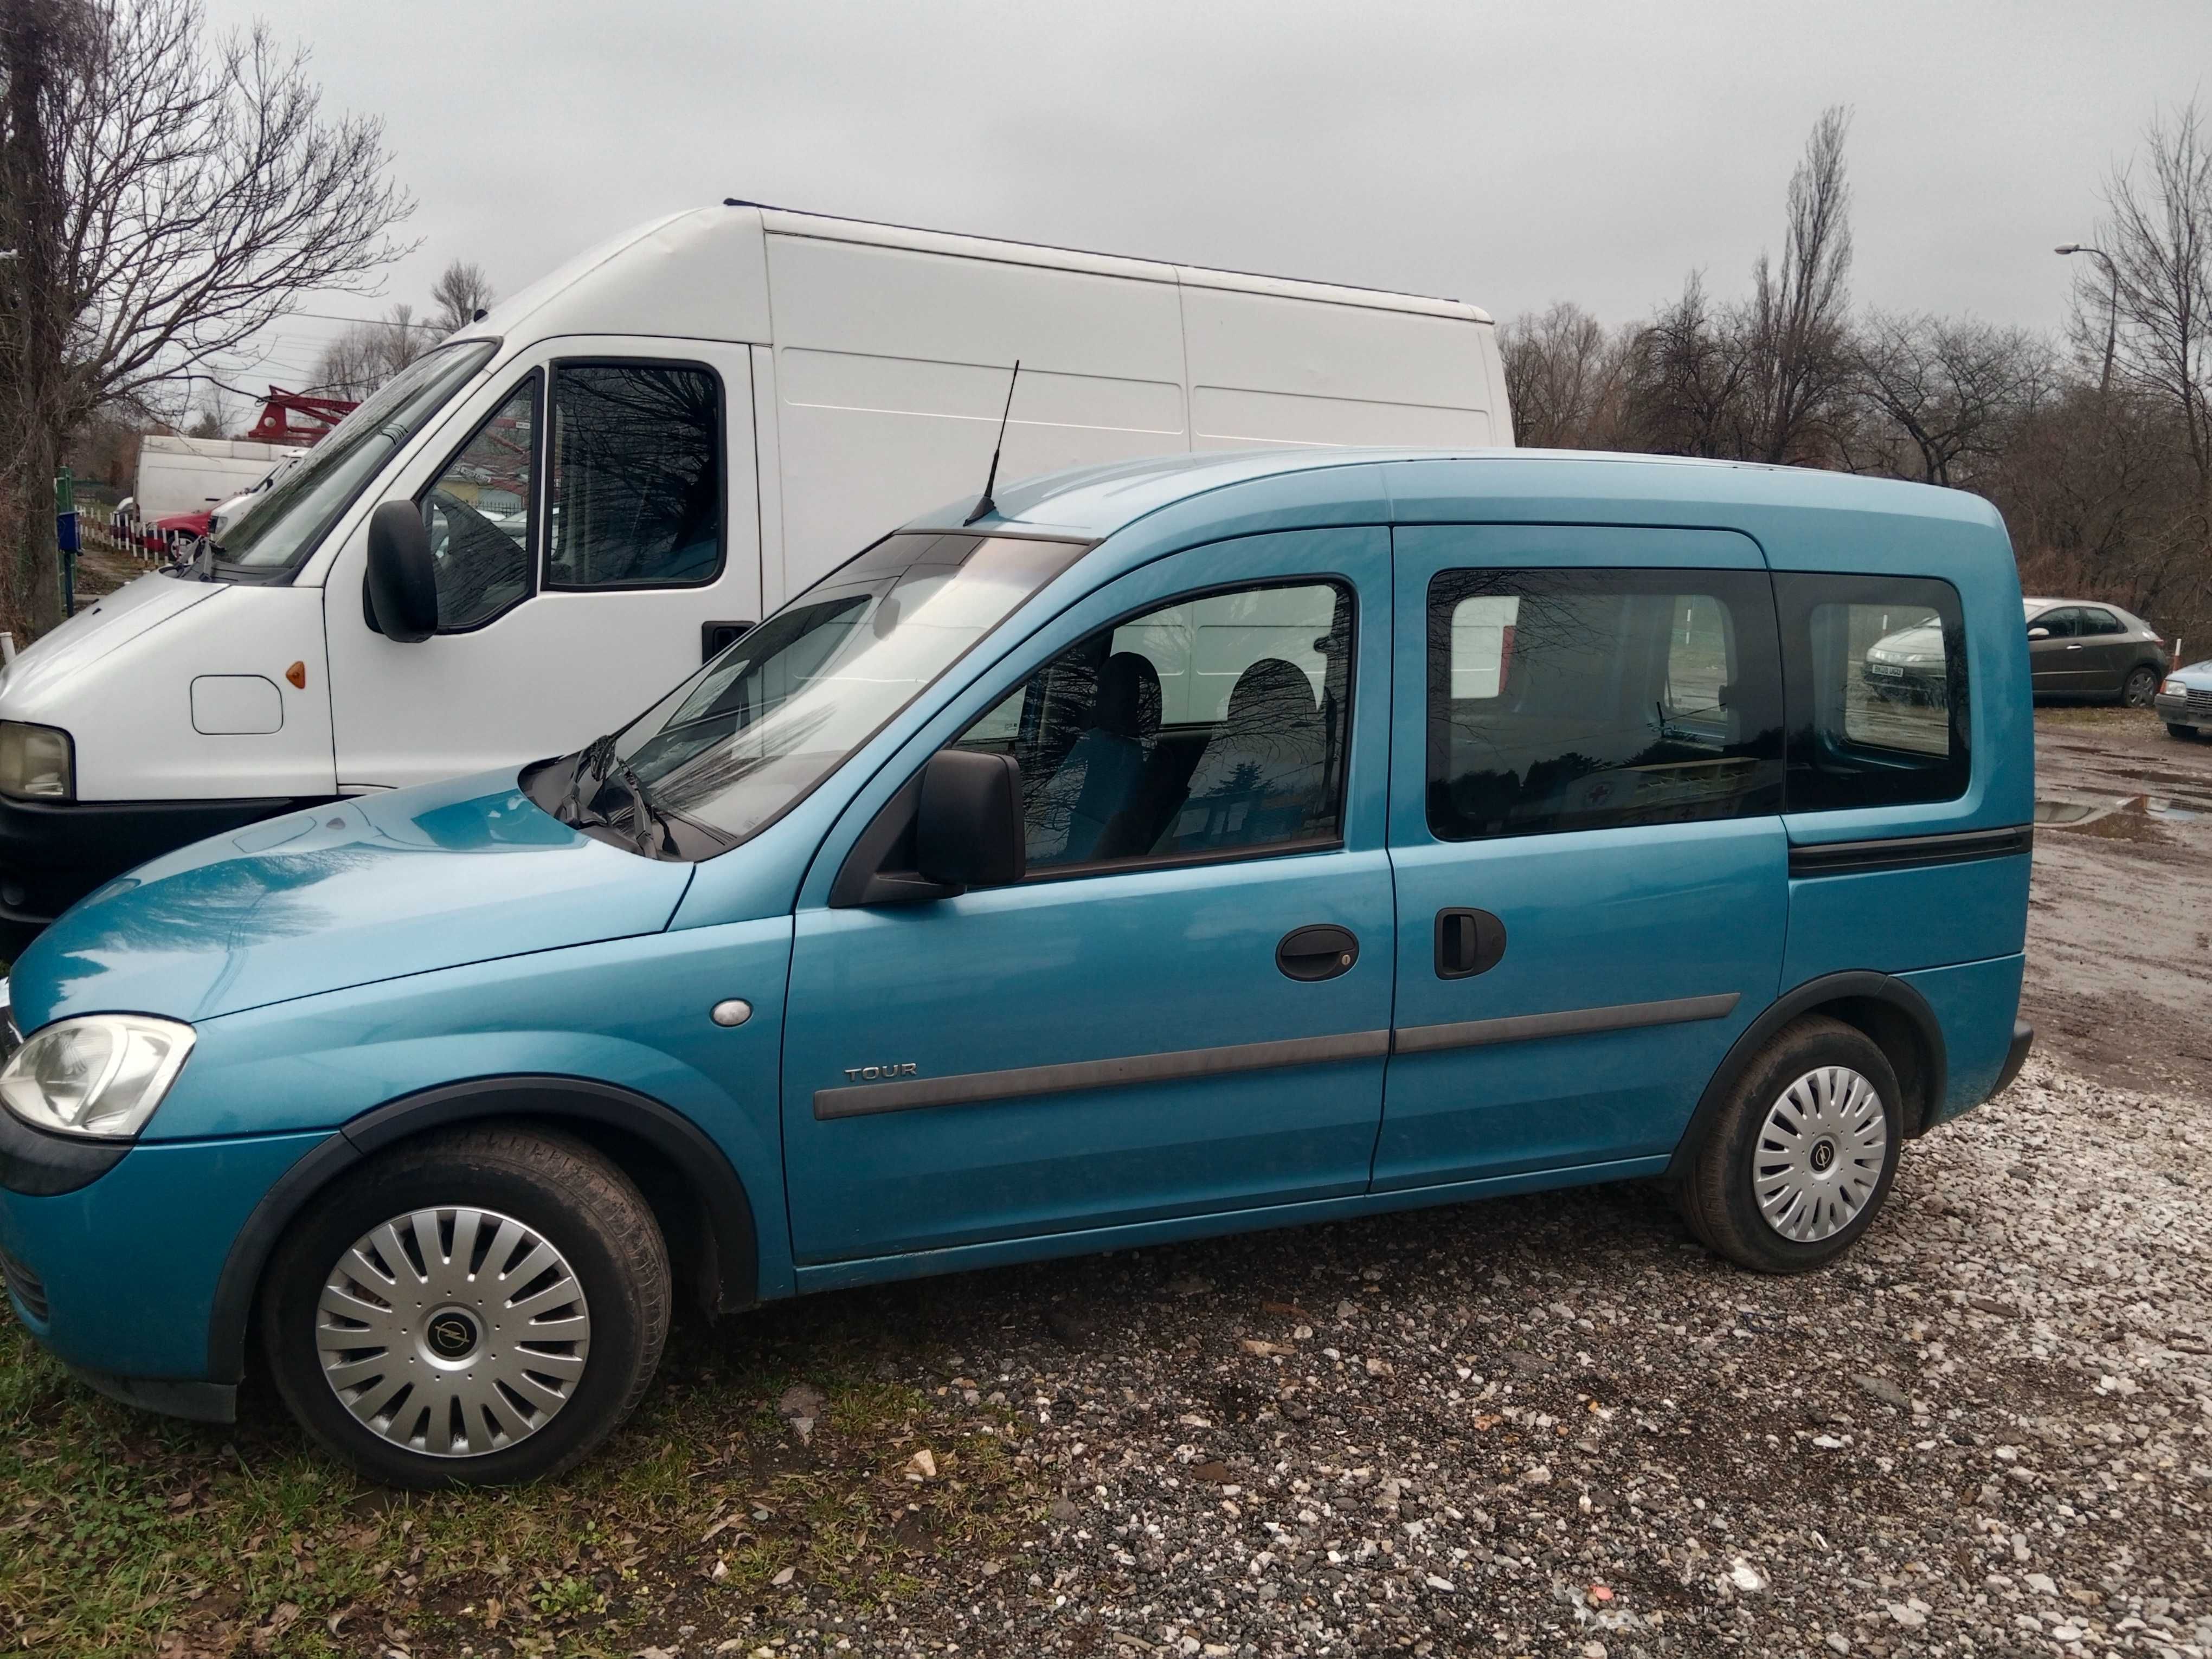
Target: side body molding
{"type": "Point", "coordinates": [728, 1212]}
{"type": "Point", "coordinates": [1899, 1003]}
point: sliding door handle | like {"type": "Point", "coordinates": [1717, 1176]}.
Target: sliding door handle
{"type": "Point", "coordinates": [1468, 942]}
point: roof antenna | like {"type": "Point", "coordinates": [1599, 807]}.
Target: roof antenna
{"type": "Point", "coordinates": [984, 503]}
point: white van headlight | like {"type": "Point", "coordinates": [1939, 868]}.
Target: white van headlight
{"type": "Point", "coordinates": [99, 1076]}
{"type": "Point", "coordinates": [35, 762]}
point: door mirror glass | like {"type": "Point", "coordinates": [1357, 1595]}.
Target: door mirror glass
{"type": "Point", "coordinates": [403, 581]}
{"type": "Point", "coordinates": [2039, 633]}
{"type": "Point", "coordinates": [968, 824]}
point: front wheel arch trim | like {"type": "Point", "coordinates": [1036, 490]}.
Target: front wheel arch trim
{"type": "Point", "coordinates": [1861, 987]}
{"type": "Point", "coordinates": [520, 1098]}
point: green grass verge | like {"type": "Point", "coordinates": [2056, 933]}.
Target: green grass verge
{"type": "Point", "coordinates": [126, 1535]}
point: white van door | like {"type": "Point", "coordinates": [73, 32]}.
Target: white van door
{"type": "Point", "coordinates": [594, 516]}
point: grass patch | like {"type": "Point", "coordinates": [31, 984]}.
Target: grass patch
{"type": "Point", "coordinates": [127, 1534]}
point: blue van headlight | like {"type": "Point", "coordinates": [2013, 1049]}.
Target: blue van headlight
{"type": "Point", "coordinates": [99, 1076]}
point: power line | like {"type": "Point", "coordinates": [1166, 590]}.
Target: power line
{"type": "Point", "coordinates": [374, 322]}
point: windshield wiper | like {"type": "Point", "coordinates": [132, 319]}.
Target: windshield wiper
{"type": "Point", "coordinates": [647, 815]}
{"type": "Point", "coordinates": [594, 759]}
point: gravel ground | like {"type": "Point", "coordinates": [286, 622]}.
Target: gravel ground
{"type": "Point", "coordinates": [1550, 1426]}
{"type": "Point", "coordinates": [1554, 1425]}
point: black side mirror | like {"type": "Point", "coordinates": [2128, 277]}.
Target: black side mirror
{"type": "Point", "coordinates": [403, 580]}
{"type": "Point", "coordinates": [968, 824]}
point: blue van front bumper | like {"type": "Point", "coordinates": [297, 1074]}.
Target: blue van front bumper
{"type": "Point", "coordinates": [118, 1277]}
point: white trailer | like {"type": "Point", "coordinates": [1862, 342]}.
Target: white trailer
{"type": "Point", "coordinates": [194, 474]}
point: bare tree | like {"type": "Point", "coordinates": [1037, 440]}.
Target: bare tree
{"type": "Point", "coordinates": [1564, 379]}
{"type": "Point", "coordinates": [2096, 488]}
{"type": "Point", "coordinates": [2158, 235]}
{"type": "Point", "coordinates": [1689, 383]}
{"type": "Point", "coordinates": [1799, 360]}
{"type": "Point", "coordinates": [1946, 393]}
{"type": "Point", "coordinates": [169, 195]}
{"type": "Point", "coordinates": [368, 354]}
{"type": "Point", "coordinates": [461, 292]}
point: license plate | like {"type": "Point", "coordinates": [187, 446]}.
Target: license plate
{"type": "Point", "coordinates": [1885, 669]}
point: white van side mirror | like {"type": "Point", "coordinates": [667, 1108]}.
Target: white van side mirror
{"type": "Point", "coordinates": [403, 580]}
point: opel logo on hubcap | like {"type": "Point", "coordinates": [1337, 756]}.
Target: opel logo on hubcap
{"type": "Point", "coordinates": [1824, 1154]}
{"type": "Point", "coordinates": [452, 1336]}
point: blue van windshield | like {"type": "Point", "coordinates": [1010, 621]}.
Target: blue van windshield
{"type": "Point", "coordinates": [753, 731]}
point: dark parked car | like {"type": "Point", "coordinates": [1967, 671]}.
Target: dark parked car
{"type": "Point", "coordinates": [2077, 650]}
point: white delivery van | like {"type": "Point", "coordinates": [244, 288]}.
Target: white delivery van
{"type": "Point", "coordinates": [191, 474]}
{"type": "Point", "coordinates": [626, 465]}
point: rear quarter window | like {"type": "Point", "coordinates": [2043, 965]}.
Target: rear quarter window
{"type": "Point", "coordinates": [1877, 689]}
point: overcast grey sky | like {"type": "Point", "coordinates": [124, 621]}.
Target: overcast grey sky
{"type": "Point", "coordinates": [1507, 154]}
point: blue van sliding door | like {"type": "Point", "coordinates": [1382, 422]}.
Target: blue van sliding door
{"type": "Point", "coordinates": [1591, 872]}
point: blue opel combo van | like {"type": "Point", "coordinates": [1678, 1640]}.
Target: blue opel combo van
{"type": "Point", "coordinates": [1177, 848]}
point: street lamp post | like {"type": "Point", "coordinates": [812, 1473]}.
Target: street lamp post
{"type": "Point", "coordinates": [2112, 307]}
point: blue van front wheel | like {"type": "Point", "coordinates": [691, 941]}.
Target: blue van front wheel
{"type": "Point", "coordinates": [477, 1308]}
{"type": "Point", "coordinates": [1800, 1159]}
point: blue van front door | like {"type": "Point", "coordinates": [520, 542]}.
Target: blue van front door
{"type": "Point", "coordinates": [1154, 1023]}
{"type": "Point", "coordinates": [1592, 877]}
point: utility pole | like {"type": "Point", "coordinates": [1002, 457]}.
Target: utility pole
{"type": "Point", "coordinates": [2112, 307]}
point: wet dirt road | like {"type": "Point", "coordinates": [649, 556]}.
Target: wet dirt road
{"type": "Point", "coordinates": [2119, 929]}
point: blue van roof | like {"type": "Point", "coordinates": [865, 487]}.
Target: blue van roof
{"type": "Point", "coordinates": [1414, 486]}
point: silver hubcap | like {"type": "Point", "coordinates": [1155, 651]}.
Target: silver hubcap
{"type": "Point", "coordinates": [1820, 1155]}
{"type": "Point", "coordinates": [454, 1332]}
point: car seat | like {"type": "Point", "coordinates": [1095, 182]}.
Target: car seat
{"type": "Point", "coordinates": [1260, 774]}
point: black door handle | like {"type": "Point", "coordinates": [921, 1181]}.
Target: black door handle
{"type": "Point", "coordinates": [1468, 942]}
{"type": "Point", "coordinates": [1320, 951]}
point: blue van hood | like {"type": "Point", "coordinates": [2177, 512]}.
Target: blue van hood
{"type": "Point", "coordinates": [347, 894]}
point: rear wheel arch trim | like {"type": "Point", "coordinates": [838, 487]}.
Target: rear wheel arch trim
{"type": "Point", "coordinates": [518, 1098]}
{"type": "Point", "coordinates": [1813, 996]}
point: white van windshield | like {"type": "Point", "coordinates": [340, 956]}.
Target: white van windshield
{"type": "Point", "coordinates": [755, 730]}
{"type": "Point", "coordinates": [290, 518]}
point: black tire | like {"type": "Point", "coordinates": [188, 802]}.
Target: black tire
{"type": "Point", "coordinates": [2139, 686]}
{"type": "Point", "coordinates": [2186, 733]}
{"type": "Point", "coordinates": [1719, 1200]}
{"type": "Point", "coordinates": [576, 1201]}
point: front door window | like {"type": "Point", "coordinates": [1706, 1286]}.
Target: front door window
{"type": "Point", "coordinates": [1212, 726]}
{"type": "Point", "coordinates": [479, 513]}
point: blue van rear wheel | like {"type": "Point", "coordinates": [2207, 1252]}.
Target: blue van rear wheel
{"type": "Point", "coordinates": [476, 1308]}
{"type": "Point", "coordinates": [1801, 1157]}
